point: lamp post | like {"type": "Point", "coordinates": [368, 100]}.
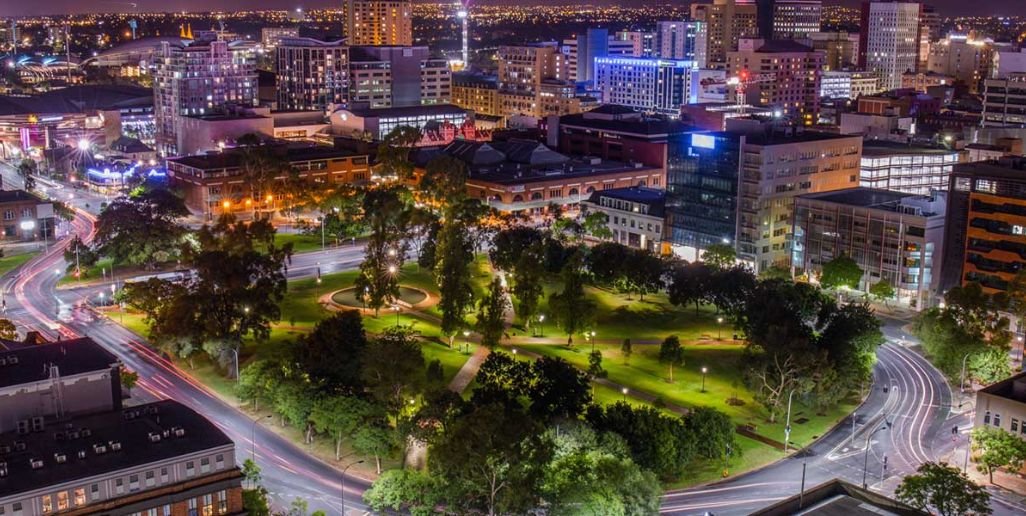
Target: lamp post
{"type": "Point", "coordinates": [323, 218]}
{"type": "Point", "coordinates": [396, 308]}
{"type": "Point", "coordinates": [252, 441]}
{"type": "Point", "coordinates": [344, 470]}
{"type": "Point", "coordinates": [961, 378]}
{"type": "Point", "coordinates": [236, 353]}
{"type": "Point", "coordinates": [591, 335]}
{"type": "Point", "coordinates": [624, 391]}
{"type": "Point", "coordinates": [466, 339]}
{"type": "Point", "coordinates": [514, 354]}
{"type": "Point", "coordinates": [865, 459]}
{"type": "Point", "coordinates": [719, 327]}
{"type": "Point", "coordinates": [854, 416]}
{"type": "Point", "coordinates": [704, 370]}
{"type": "Point", "coordinates": [541, 325]}
{"type": "Point", "coordinates": [787, 422]}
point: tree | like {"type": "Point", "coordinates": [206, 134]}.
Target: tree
{"type": "Point", "coordinates": [527, 281]}
{"type": "Point", "coordinates": [720, 256]}
{"type": "Point", "coordinates": [689, 284]}
{"type": "Point", "coordinates": [339, 417]}
{"type": "Point", "coordinates": [842, 271]}
{"type": "Point", "coordinates": [255, 502]}
{"type": "Point", "coordinates": [989, 365]}
{"type": "Point", "coordinates": [404, 490]}
{"type": "Point", "coordinates": [331, 355]}
{"type": "Point", "coordinates": [596, 224]}
{"type": "Point", "coordinates": [998, 449]}
{"type": "Point", "coordinates": [773, 377]}
{"type": "Point", "coordinates": [671, 353]}
{"type": "Point", "coordinates": [294, 401]}
{"type": "Point", "coordinates": [491, 322]}
{"type": "Point", "coordinates": [393, 370]}
{"type": "Point", "coordinates": [259, 380]}
{"type": "Point", "coordinates": [453, 258]}
{"type": "Point", "coordinates": [394, 152]}
{"type": "Point", "coordinates": [27, 169]}
{"type": "Point", "coordinates": [713, 433]}
{"type": "Point", "coordinates": [882, 290]}
{"type": "Point", "coordinates": [502, 377]}
{"type": "Point", "coordinates": [571, 309]}
{"type": "Point", "coordinates": [444, 181]}
{"type": "Point", "coordinates": [79, 255]}
{"type": "Point", "coordinates": [595, 365]}
{"type": "Point", "coordinates": [558, 390]}
{"type": "Point", "coordinates": [141, 229]}
{"type": "Point", "coordinates": [375, 440]}
{"type": "Point", "coordinates": [235, 291]}
{"type": "Point", "coordinates": [251, 473]}
{"type": "Point", "coordinates": [509, 245]}
{"type": "Point", "coordinates": [378, 278]}
{"type": "Point", "coordinates": [492, 461]}
{"type": "Point", "coordinates": [626, 350]}
{"type": "Point", "coordinates": [7, 330]}
{"type": "Point", "coordinates": [657, 442]}
{"type": "Point", "coordinates": [129, 379]}
{"type": "Point", "coordinates": [944, 489]}
{"type": "Point", "coordinates": [343, 208]}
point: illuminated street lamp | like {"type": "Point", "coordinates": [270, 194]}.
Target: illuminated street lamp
{"type": "Point", "coordinates": [624, 391]}
{"type": "Point", "coordinates": [466, 339]}
{"type": "Point", "coordinates": [591, 335]}
{"type": "Point", "coordinates": [541, 325]}
{"type": "Point", "coordinates": [704, 370]}
{"type": "Point", "coordinates": [719, 327]}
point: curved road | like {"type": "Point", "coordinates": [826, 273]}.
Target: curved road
{"type": "Point", "coordinates": [288, 472]}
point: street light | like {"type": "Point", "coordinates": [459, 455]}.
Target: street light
{"type": "Point", "coordinates": [704, 370]}
{"type": "Point", "coordinates": [344, 470]}
{"type": "Point", "coordinates": [865, 460]}
{"type": "Point", "coordinates": [719, 327]}
{"type": "Point", "coordinates": [541, 325]}
{"type": "Point", "coordinates": [252, 441]}
{"type": "Point", "coordinates": [396, 308]}
{"type": "Point", "coordinates": [787, 422]}
{"type": "Point", "coordinates": [236, 353]}
{"type": "Point", "coordinates": [961, 378]}
{"type": "Point", "coordinates": [624, 391]}
{"type": "Point", "coordinates": [466, 339]}
{"type": "Point", "coordinates": [514, 354]}
{"type": "Point", "coordinates": [591, 335]}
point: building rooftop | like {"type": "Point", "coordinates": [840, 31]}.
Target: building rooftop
{"type": "Point", "coordinates": [839, 498]}
{"type": "Point", "coordinates": [298, 41]}
{"type": "Point", "coordinates": [31, 364]}
{"type": "Point", "coordinates": [782, 46]}
{"type": "Point", "coordinates": [881, 199]}
{"type": "Point", "coordinates": [779, 137]}
{"type": "Point", "coordinates": [475, 79]}
{"type": "Point", "coordinates": [391, 112]}
{"type": "Point", "coordinates": [889, 148]}
{"type": "Point", "coordinates": [232, 158]}
{"type": "Point", "coordinates": [19, 196]}
{"type": "Point", "coordinates": [625, 120]}
{"type": "Point", "coordinates": [651, 197]}
{"type": "Point", "coordinates": [78, 99]}
{"type": "Point", "coordinates": [1012, 388]}
{"type": "Point", "coordinates": [87, 446]}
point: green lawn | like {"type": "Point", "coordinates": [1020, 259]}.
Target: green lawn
{"type": "Point", "coordinates": [9, 263]}
{"type": "Point", "coordinates": [302, 242]}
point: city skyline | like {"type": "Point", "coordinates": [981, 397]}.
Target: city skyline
{"type": "Point", "coordinates": [57, 7]}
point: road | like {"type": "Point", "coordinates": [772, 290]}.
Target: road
{"type": "Point", "coordinates": [906, 418]}
{"type": "Point", "coordinates": [33, 302]}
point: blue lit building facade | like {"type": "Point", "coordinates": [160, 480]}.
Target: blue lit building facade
{"type": "Point", "coordinates": [650, 85]}
{"type": "Point", "coordinates": [702, 191]}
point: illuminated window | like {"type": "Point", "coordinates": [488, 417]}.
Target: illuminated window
{"type": "Point", "coordinates": [80, 497]}
{"type": "Point", "coordinates": [47, 504]}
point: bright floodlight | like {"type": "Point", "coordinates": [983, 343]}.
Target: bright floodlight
{"type": "Point", "coordinates": [461, 14]}
{"type": "Point", "coordinates": [83, 144]}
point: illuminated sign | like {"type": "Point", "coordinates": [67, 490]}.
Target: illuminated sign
{"type": "Point", "coordinates": [1018, 230]}
{"type": "Point", "coordinates": [703, 140]}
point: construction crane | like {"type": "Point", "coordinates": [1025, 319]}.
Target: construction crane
{"type": "Point", "coordinates": [742, 81]}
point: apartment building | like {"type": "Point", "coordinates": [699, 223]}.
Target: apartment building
{"type": "Point", "coordinates": [311, 74]}
{"type": "Point", "coordinates": [1004, 101]}
{"type": "Point", "coordinates": [844, 84]}
{"type": "Point", "coordinates": [788, 19]}
{"type": "Point", "coordinates": [841, 49]}
{"type": "Point", "coordinates": [195, 78]}
{"type": "Point", "coordinates": [964, 58]}
{"type": "Point", "coordinates": [397, 76]}
{"type": "Point", "coordinates": [534, 81]}
{"type": "Point", "coordinates": [378, 22]}
{"type": "Point", "coordinates": [786, 76]}
{"type": "Point", "coordinates": [477, 93]}
{"type": "Point", "coordinates": [728, 21]}
{"type": "Point", "coordinates": [646, 84]}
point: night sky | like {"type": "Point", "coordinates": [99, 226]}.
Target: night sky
{"type": "Point", "coordinates": [16, 8]}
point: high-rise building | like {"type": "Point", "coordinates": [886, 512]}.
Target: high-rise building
{"type": "Point", "coordinates": [728, 21]}
{"type": "Point", "coordinates": [534, 81]}
{"type": "Point", "coordinates": [680, 40]}
{"type": "Point", "coordinates": [786, 76]}
{"type": "Point", "coordinates": [396, 76]}
{"type": "Point", "coordinates": [642, 44]}
{"type": "Point", "coordinates": [311, 74]}
{"type": "Point", "coordinates": [198, 78]}
{"type": "Point", "coordinates": [270, 36]}
{"type": "Point", "coordinates": [652, 85]}
{"type": "Point", "coordinates": [848, 84]}
{"type": "Point", "coordinates": [929, 32]}
{"type": "Point", "coordinates": [889, 40]}
{"type": "Point", "coordinates": [378, 22]}
{"type": "Point", "coordinates": [841, 49]}
{"type": "Point", "coordinates": [789, 19]}
{"type": "Point", "coordinates": [476, 93]}
{"type": "Point", "coordinates": [581, 51]}
{"type": "Point", "coordinates": [985, 238]}
{"type": "Point", "coordinates": [775, 168]}
{"type": "Point", "coordinates": [1004, 101]}
{"type": "Point", "coordinates": [964, 58]}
